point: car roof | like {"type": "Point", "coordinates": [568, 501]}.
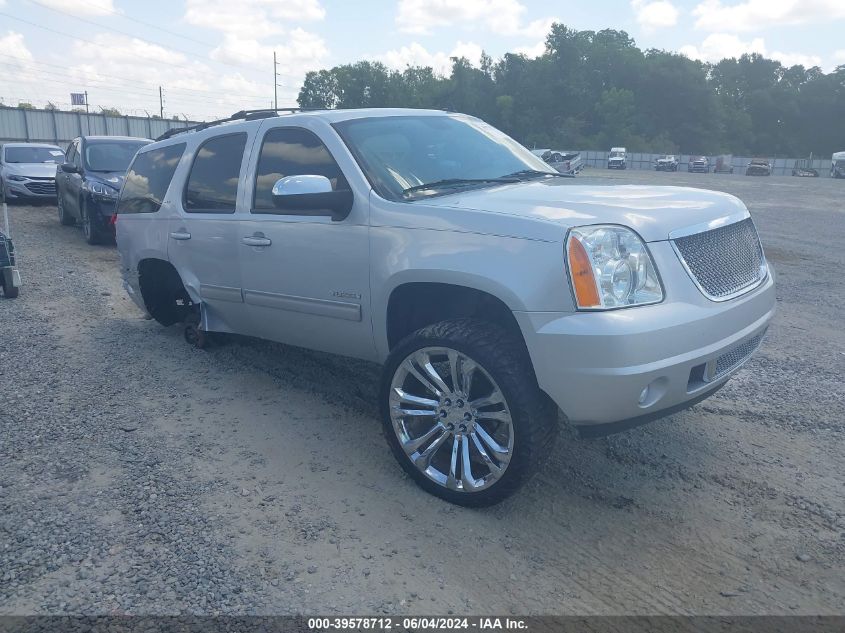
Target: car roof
{"type": "Point", "coordinates": [46, 145]}
{"type": "Point", "coordinates": [295, 117]}
{"type": "Point", "coordinates": [106, 137]}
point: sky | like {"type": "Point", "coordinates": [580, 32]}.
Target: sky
{"type": "Point", "coordinates": [214, 57]}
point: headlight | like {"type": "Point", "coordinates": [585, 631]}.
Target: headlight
{"type": "Point", "coordinates": [100, 189]}
{"type": "Point", "coordinates": [610, 267]}
{"type": "Point", "coordinates": [18, 178]}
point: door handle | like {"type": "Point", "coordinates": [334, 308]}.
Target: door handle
{"type": "Point", "coordinates": [180, 235]}
{"type": "Point", "coordinates": [256, 240]}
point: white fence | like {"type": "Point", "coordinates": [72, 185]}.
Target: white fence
{"type": "Point", "coordinates": [54, 126]}
{"type": "Point", "coordinates": [780, 166]}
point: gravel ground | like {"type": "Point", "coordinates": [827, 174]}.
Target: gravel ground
{"type": "Point", "coordinates": [139, 475]}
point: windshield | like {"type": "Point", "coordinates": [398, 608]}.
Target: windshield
{"type": "Point", "coordinates": [617, 154]}
{"type": "Point", "coordinates": [403, 152]}
{"type": "Point", "coordinates": [111, 155]}
{"type": "Point", "coordinates": [34, 155]}
{"type": "Point", "coordinates": [840, 163]}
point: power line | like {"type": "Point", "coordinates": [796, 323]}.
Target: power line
{"type": "Point", "coordinates": [158, 61]}
{"type": "Point", "coordinates": [131, 85]}
{"type": "Point", "coordinates": [147, 24]}
{"type": "Point", "coordinates": [109, 28]}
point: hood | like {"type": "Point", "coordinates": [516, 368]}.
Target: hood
{"type": "Point", "coordinates": [113, 179]}
{"type": "Point", "coordinates": [653, 212]}
{"type": "Point", "coordinates": [32, 170]}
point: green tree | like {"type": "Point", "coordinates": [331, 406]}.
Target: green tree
{"type": "Point", "coordinates": [594, 89]}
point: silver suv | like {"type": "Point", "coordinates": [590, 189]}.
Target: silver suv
{"type": "Point", "coordinates": [495, 291]}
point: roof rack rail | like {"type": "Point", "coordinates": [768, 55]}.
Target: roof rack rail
{"type": "Point", "coordinates": [241, 115]}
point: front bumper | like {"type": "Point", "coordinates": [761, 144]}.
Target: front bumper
{"type": "Point", "coordinates": [597, 365]}
{"type": "Point", "coordinates": [38, 189]}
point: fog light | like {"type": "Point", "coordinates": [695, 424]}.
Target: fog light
{"type": "Point", "coordinates": [653, 392]}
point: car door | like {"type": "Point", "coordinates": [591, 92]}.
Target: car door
{"type": "Point", "coordinates": [73, 183]}
{"type": "Point", "coordinates": [305, 276]}
{"type": "Point", "coordinates": [63, 177]}
{"type": "Point", "coordinates": [203, 233]}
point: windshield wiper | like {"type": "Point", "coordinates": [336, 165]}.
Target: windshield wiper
{"type": "Point", "coordinates": [536, 172]}
{"type": "Point", "coordinates": [458, 182]}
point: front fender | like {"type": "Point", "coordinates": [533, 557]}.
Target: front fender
{"type": "Point", "coordinates": [525, 274]}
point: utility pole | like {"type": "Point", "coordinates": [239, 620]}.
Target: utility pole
{"type": "Point", "coordinates": [86, 102]}
{"type": "Point", "coordinates": [275, 77]}
{"type": "Point", "coordinates": [160, 103]}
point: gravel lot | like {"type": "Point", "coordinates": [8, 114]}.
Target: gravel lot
{"type": "Point", "coordinates": [139, 475]}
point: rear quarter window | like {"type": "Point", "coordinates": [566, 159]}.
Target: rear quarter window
{"type": "Point", "coordinates": [212, 185]}
{"type": "Point", "coordinates": [148, 178]}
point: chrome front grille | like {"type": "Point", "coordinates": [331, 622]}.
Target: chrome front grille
{"type": "Point", "coordinates": [42, 187]}
{"type": "Point", "coordinates": [723, 262]}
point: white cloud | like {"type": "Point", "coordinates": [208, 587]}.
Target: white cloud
{"type": "Point", "coordinates": [12, 45]}
{"type": "Point", "coordinates": [251, 18]}
{"type": "Point", "coordinates": [297, 52]}
{"type": "Point", "coordinates": [532, 51]}
{"type": "Point", "coordinates": [88, 7]}
{"type": "Point", "coordinates": [796, 59]}
{"type": "Point", "coordinates": [417, 55]}
{"type": "Point", "coordinates": [719, 46]}
{"type": "Point", "coordinates": [119, 50]}
{"type": "Point", "coordinates": [499, 16]}
{"type": "Point", "coordinates": [839, 56]}
{"type": "Point", "coordinates": [656, 14]}
{"type": "Point", "coordinates": [94, 66]}
{"type": "Point", "coordinates": [749, 15]}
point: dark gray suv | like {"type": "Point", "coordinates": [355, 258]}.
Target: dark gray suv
{"type": "Point", "coordinates": [89, 181]}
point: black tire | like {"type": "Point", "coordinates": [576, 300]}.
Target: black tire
{"type": "Point", "coordinates": [534, 419]}
{"type": "Point", "coordinates": [65, 219]}
{"type": "Point", "coordinates": [89, 228]}
{"type": "Point", "coordinates": [9, 291]}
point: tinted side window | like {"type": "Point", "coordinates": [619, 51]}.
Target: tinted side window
{"type": "Point", "coordinates": [291, 152]}
{"type": "Point", "coordinates": [148, 178]}
{"type": "Point", "coordinates": [213, 182]}
{"type": "Point", "coordinates": [71, 152]}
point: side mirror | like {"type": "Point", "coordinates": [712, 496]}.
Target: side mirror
{"type": "Point", "coordinates": [69, 168]}
{"type": "Point", "coordinates": [312, 195]}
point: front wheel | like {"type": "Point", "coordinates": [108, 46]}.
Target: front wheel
{"type": "Point", "coordinates": [89, 228]}
{"type": "Point", "coordinates": [65, 219]}
{"type": "Point", "coordinates": [462, 412]}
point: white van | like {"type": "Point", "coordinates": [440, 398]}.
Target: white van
{"type": "Point", "coordinates": [618, 158]}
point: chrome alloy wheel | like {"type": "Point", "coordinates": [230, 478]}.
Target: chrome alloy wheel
{"type": "Point", "coordinates": [451, 419]}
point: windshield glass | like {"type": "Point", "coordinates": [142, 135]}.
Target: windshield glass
{"type": "Point", "coordinates": [840, 163]}
{"type": "Point", "coordinates": [111, 155]}
{"type": "Point", "coordinates": [617, 154]}
{"type": "Point", "coordinates": [34, 155]}
{"type": "Point", "coordinates": [401, 152]}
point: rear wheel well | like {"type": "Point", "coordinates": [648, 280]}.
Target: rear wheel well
{"type": "Point", "coordinates": [163, 292]}
{"type": "Point", "coordinates": [415, 305]}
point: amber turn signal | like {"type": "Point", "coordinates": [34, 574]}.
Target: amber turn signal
{"type": "Point", "coordinates": [583, 280]}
